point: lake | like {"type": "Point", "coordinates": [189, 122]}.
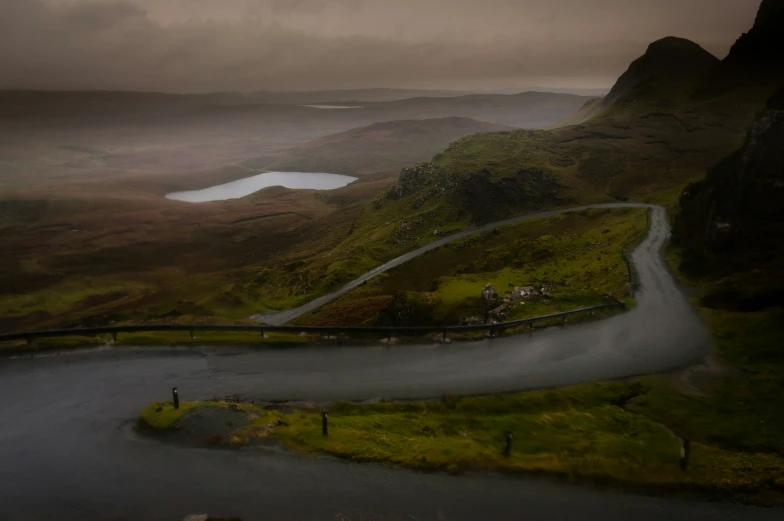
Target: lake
{"type": "Point", "coordinates": [249, 185]}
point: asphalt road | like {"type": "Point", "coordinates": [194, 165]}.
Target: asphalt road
{"type": "Point", "coordinates": [67, 450]}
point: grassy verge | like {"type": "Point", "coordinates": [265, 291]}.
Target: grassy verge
{"type": "Point", "coordinates": [583, 433]}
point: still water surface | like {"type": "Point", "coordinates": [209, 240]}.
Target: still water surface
{"type": "Point", "coordinates": [249, 185]}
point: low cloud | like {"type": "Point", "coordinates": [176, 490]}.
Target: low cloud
{"type": "Point", "coordinates": [206, 45]}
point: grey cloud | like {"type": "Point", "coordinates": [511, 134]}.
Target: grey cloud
{"type": "Point", "coordinates": [288, 6]}
{"type": "Point", "coordinates": [101, 15]}
{"type": "Point", "coordinates": [206, 45]}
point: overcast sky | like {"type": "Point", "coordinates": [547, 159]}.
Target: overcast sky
{"type": "Point", "coordinates": [247, 45]}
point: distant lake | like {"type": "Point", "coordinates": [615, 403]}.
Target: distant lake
{"type": "Point", "coordinates": [249, 185]}
{"type": "Point", "coordinates": [333, 107]}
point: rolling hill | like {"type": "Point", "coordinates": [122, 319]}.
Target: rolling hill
{"type": "Point", "coordinates": [380, 147]}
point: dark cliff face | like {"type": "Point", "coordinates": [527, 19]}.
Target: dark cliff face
{"type": "Point", "coordinates": [667, 61]}
{"type": "Point", "coordinates": [764, 43]}
{"type": "Point", "coordinates": [733, 221]}
{"type": "Point", "coordinates": [756, 58]}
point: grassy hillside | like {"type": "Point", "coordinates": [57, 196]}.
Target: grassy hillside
{"type": "Point", "coordinates": [575, 257]}
{"type": "Point", "coordinates": [380, 147]}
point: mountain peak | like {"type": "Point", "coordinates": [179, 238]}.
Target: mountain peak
{"type": "Point", "coordinates": [673, 44]}
{"type": "Point", "coordinates": [669, 60]}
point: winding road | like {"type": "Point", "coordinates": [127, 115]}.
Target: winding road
{"type": "Point", "coordinates": [68, 451]}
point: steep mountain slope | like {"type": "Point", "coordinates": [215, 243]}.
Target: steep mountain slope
{"type": "Point", "coordinates": [731, 224]}
{"type": "Point", "coordinates": [667, 63]}
{"type": "Point", "coordinates": [380, 147]}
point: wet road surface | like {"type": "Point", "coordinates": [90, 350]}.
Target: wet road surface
{"type": "Point", "coordinates": [67, 449]}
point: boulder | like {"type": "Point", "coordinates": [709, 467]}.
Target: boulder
{"type": "Point", "coordinates": [490, 300]}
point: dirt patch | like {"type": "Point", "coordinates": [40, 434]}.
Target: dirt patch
{"type": "Point", "coordinates": [209, 425]}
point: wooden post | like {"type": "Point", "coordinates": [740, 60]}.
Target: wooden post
{"type": "Point", "coordinates": [324, 426]}
{"type": "Point", "coordinates": [685, 452]}
{"type": "Point", "coordinates": [191, 331]}
{"type": "Point", "coordinates": [508, 446]}
{"type": "Point", "coordinates": [175, 398]}
{"type": "Point", "coordinates": [114, 336]}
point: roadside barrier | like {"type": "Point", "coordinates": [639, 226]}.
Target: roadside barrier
{"type": "Point", "coordinates": [387, 332]}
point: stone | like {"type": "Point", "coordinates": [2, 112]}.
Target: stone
{"type": "Point", "coordinates": [490, 297]}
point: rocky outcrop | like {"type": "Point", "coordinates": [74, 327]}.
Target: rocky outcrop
{"type": "Point", "coordinates": [412, 179]}
{"type": "Point", "coordinates": [497, 309]}
{"type": "Point", "coordinates": [670, 60]}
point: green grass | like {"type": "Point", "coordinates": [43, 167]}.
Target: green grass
{"type": "Point", "coordinates": [579, 433]}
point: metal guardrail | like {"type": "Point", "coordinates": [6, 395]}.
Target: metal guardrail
{"type": "Point", "coordinates": [336, 330]}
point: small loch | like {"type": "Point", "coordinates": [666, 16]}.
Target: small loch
{"type": "Point", "coordinates": [249, 185]}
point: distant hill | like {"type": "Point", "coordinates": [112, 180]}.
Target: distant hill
{"type": "Point", "coordinates": [287, 122]}
{"type": "Point", "coordinates": [379, 147]}
{"type": "Point", "coordinates": [357, 95]}
{"type": "Point", "coordinates": [590, 109]}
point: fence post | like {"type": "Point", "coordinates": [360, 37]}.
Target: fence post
{"type": "Point", "coordinates": [508, 446]}
{"type": "Point", "coordinates": [324, 425]}
{"type": "Point", "coordinates": [175, 398]}
{"type": "Point", "coordinates": [685, 452]}
{"type": "Point", "coordinates": [191, 331]}
{"type": "Point", "coordinates": [114, 336]}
